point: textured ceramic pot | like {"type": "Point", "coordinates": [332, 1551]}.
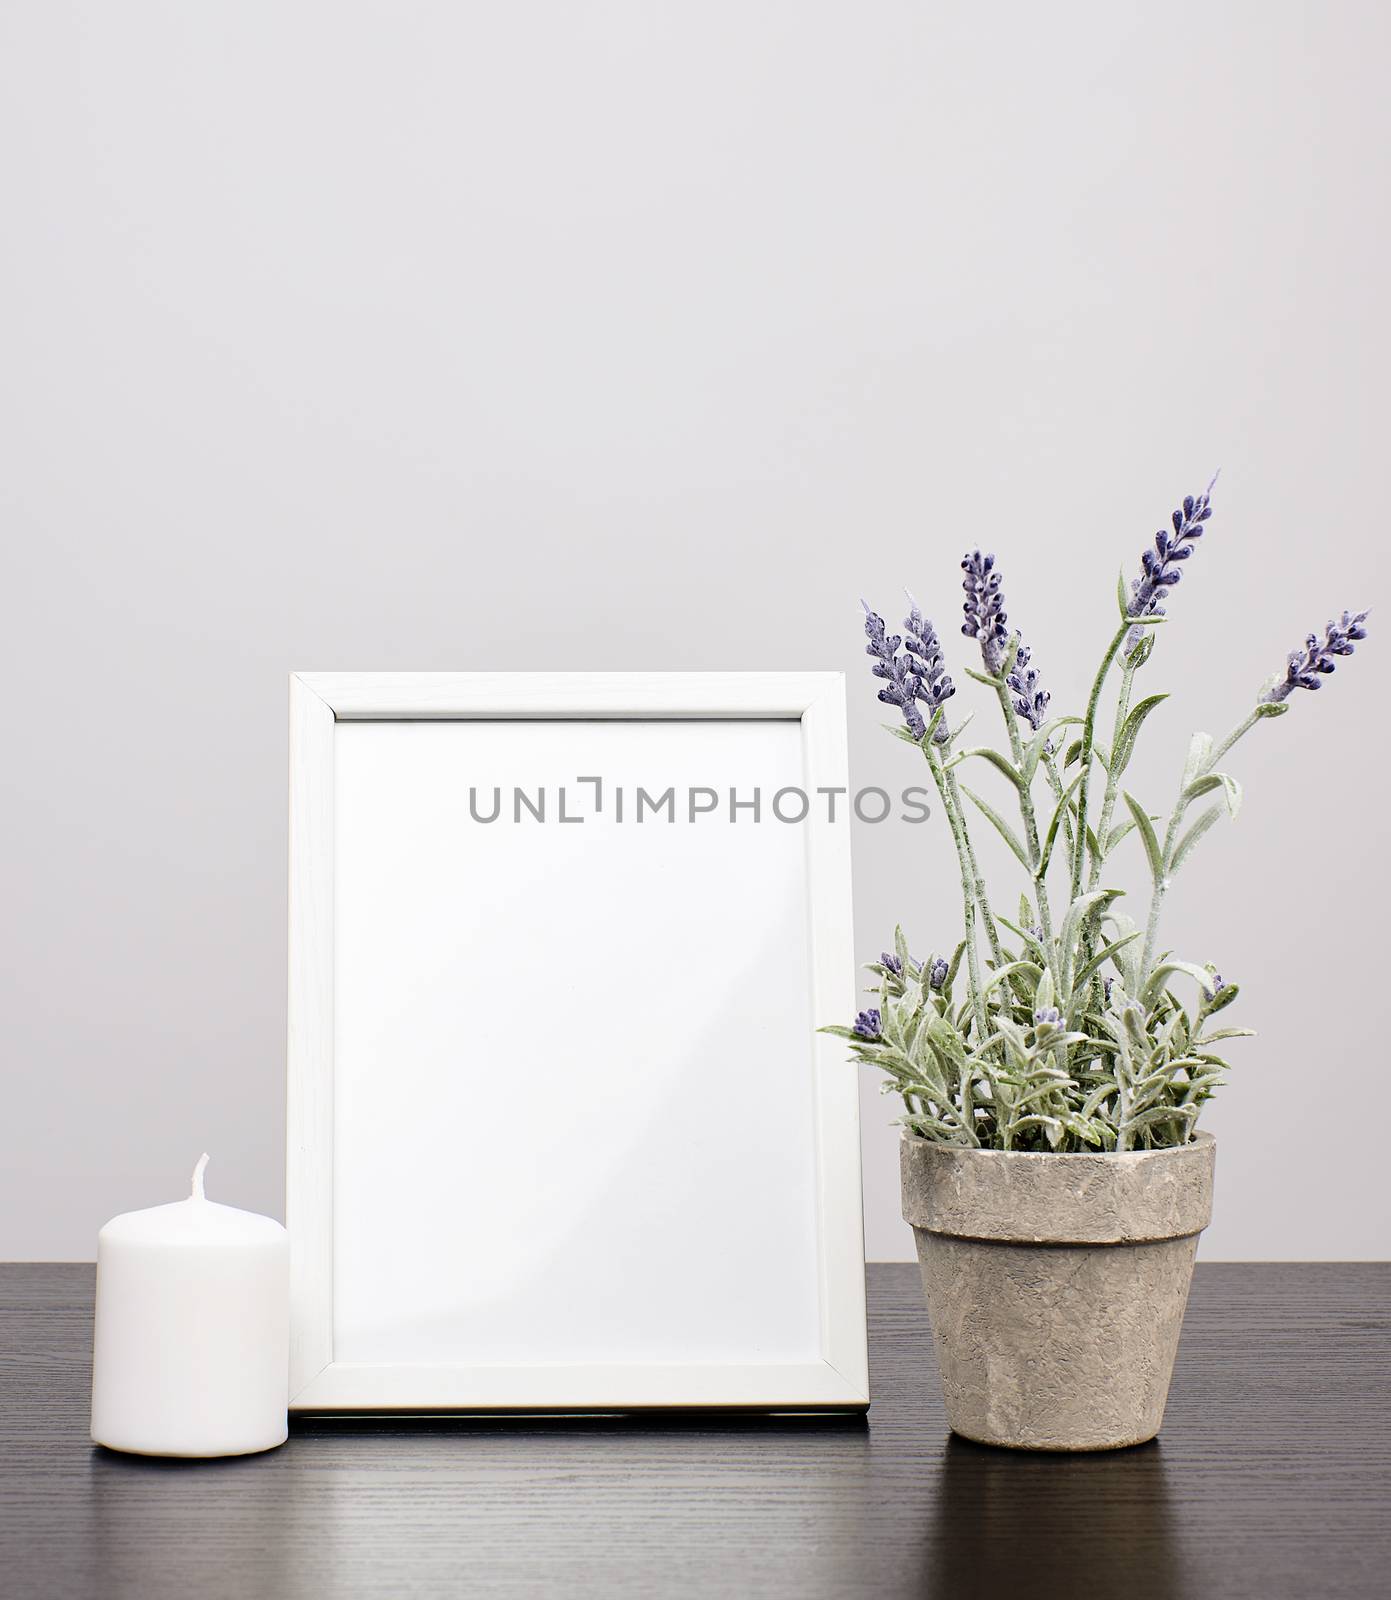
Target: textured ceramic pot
{"type": "Point", "coordinates": [1056, 1285]}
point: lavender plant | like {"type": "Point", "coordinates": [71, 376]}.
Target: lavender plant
{"type": "Point", "coordinates": [1070, 1028]}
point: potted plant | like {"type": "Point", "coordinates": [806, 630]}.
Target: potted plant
{"type": "Point", "coordinates": [1053, 1065]}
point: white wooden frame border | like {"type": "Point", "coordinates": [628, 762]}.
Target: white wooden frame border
{"type": "Point", "coordinates": [318, 701]}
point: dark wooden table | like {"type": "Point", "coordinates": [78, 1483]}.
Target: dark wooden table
{"type": "Point", "coordinates": [1272, 1478]}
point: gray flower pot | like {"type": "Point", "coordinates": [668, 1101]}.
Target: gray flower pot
{"type": "Point", "coordinates": [1056, 1285]}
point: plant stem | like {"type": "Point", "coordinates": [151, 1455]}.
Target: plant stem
{"type": "Point", "coordinates": [1055, 782]}
{"type": "Point", "coordinates": [968, 1105]}
{"type": "Point", "coordinates": [1162, 882]}
{"type": "Point", "coordinates": [1108, 798]}
{"type": "Point", "coordinates": [1108, 808]}
{"type": "Point", "coordinates": [951, 805]}
{"type": "Point", "coordinates": [1240, 731]}
{"type": "Point", "coordinates": [1088, 738]}
{"type": "Point", "coordinates": [992, 933]}
{"type": "Point", "coordinates": [1026, 811]}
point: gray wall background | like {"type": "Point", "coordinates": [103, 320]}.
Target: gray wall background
{"type": "Point", "coordinates": [632, 336]}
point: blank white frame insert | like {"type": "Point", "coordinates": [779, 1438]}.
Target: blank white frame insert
{"type": "Point", "coordinates": [561, 1134]}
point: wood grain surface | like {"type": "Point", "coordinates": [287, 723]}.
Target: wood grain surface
{"type": "Point", "coordinates": [1272, 1478]}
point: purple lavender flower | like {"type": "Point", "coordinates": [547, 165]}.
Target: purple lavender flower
{"type": "Point", "coordinates": [891, 961]}
{"type": "Point", "coordinates": [1161, 565]}
{"type": "Point", "coordinates": [916, 675]}
{"type": "Point", "coordinates": [985, 620]}
{"type": "Point", "coordinates": [1307, 666]}
{"type": "Point", "coordinates": [937, 974]}
{"type": "Point", "coordinates": [1048, 1017]}
{"type": "Point", "coordinates": [901, 686]}
{"type": "Point", "coordinates": [1030, 699]}
{"type": "Point", "coordinates": [868, 1023]}
{"type": "Point", "coordinates": [984, 609]}
{"type": "Point", "coordinates": [924, 650]}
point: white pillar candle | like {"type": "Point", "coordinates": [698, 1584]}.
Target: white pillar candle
{"type": "Point", "coordinates": [191, 1354]}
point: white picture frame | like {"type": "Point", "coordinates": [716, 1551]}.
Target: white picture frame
{"type": "Point", "coordinates": [366, 745]}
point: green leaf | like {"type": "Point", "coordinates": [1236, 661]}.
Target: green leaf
{"type": "Point", "coordinates": [1001, 974]}
{"type": "Point", "coordinates": [1209, 1059]}
{"type": "Point", "coordinates": [933, 1065]}
{"type": "Point", "coordinates": [1051, 836]}
{"type": "Point", "coordinates": [1147, 1119]}
{"type": "Point", "coordinates": [944, 1038]}
{"type": "Point", "coordinates": [1155, 983]}
{"type": "Point", "coordinates": [1023, 933]}
{"type": "Point", "coordinates": [897, 1060]}
{"type": "Point", "coordinates": [1141, 653]}
{"type": "Point", "coordinates": [1034, 1095]}
{"type": "Point", "coordinates": [1275, 708]}
{"type": "Point", "coordinates": [1117, 834]}
{"type": "Point", "coordinates": [981, 677]}
{"type": "Point", "coordinates": [996, 760]}
{"type": "Point", "coordinates": [1133, 1028]}
{"type": "Point", "coordinates": [1130, 730]}
{"type": "Point", "coordinates": [892, 1030]}
{"type": "Point", "coordinates": [1073, 753]}
{"type": "Point", "coordinates": [953, 966]}
{"type": "Point", "coordinates": [933, 1128]}
{"type": "Point", "coordinates": [1003, 828]}
{"type": "Point", "coordinates": [1199, 754]}
{"type": "Point", "coordinates": [1207, 783]}
{"type": "Point", "coordinates": [1191, 837]}
{"type": "Point", "coordinates": [950, 1041]}
{"type": "Point", "coordinates": [1146, 829]}
{"type": "Point", "coordinates": [901, 950]}
{"type": "Point", "coordinates": [1231, 789]}
{"type": "Point", "coordinates": [1091, 1133]}
{"type": "Point", "coordinates": [1013, 1035]}
{"type": "Point", "coordinates": [1077, 913]}
{"type": "Point", "coordinates": [1103, 1092]}
{"type": "Point", "coordinates": [1101, 958]}
{"type": "Point", "coordinates": [1051, 1125]}
{"type": "Point", "coordinates": [1122, 599]}
{"type": "Point", "coordinates": [1034, 753]}
{"type": "Point", "coordinates": [1197, 1090]}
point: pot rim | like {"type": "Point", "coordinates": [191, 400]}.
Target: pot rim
{"type": "Point", "coordinates": [1201, 1137]}
{"type": "Point", "coordinates": [1055, 1197]}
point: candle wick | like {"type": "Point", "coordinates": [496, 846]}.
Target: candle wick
{"type": "Point", "coordinates": [198, 1177]}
